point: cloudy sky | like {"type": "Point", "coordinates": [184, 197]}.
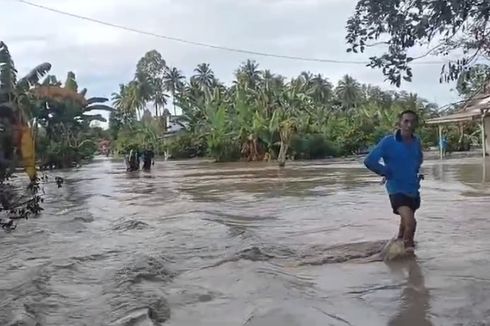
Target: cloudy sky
{"type": "Point", "coordinates": [102, 56]}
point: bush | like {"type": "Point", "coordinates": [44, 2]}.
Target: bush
{"type": "Point", "coordinates": [311, 146]}
{"type": "Point", "coordinates": [62, 156]}
{"type": "Point", "coordinates": [224, 150]}
{"type": "Point", "coordinates": [187, 145]}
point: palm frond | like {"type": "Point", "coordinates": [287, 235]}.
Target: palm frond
{"type": "Point", "coordinates": [8, 73]}
{"type": "Point", "coordinates": [34, 76]}
{"type": "Point", "coordinates": [100, 107]}
{"type": "Point", "coordinates": [93, 100]}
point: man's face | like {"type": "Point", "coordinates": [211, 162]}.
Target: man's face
{"type": "Point", "coordinates": [408, 123]}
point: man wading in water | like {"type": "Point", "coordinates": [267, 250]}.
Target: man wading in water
{"type": "Point", "coordinates": [148, 159]}
{"type": "Point", "coordinates": [402, 157]}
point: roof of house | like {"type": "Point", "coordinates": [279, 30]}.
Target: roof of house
{"type": "Point", "coordinates": [472, 109]}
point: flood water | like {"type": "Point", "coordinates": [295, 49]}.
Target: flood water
{"type": "Point", "coordinates": [198, 243]}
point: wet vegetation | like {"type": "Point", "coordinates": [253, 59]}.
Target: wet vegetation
{"type": "Point", "coordinates": [44, 123]}
{"type": "Point", "coordinates": [262, 115]}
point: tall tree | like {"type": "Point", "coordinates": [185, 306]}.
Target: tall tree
{"type": "Point", "coordinates": [129, 101]}
{"type": "Point", "coordinates": [204, 77]}
{"type": "Point", "coordinates": [320, 89]}
{"type": "Point", "coordinates": [159, 96]}
{"type": "Point", "coordinates": [348, 92]}
{"type": "Point", "coordinates": [173, 81]}
{"type": "Point", "coordinates": [149, 75]}
{"type": "Point", "coordinates": [250, 74]}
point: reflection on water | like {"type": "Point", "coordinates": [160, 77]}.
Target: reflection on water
{"type": "Point", "coordinates": [414, 300]}
{"type": "Point", "coordinates": [197, 243]}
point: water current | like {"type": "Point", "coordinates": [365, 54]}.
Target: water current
{"type": "Point", "coordinates": [199, 243]}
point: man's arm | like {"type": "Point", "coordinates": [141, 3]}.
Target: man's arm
{"type": "Point", "coordinates": [372, 159]}
{"type": "Point", "coordinates": [421, 153]}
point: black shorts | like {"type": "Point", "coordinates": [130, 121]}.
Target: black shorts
{"type": "Point", "coordinates": [399, 200]}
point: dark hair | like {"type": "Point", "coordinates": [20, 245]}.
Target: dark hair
{"type": "Point", "coordinates": [408, 112]}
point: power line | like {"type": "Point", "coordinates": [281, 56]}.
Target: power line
{"type": "Point", "coordinates": [207, 45]}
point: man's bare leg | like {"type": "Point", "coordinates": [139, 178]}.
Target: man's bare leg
{"type": "Point", "coordinates": [409, 224]}
{"type": "Point", "coordinates": [401, 229]}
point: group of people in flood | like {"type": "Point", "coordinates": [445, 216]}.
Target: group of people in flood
{"type": "Point", "coordinates": [134, 157]}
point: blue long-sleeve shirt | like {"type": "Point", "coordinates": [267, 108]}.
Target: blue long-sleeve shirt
{"type": "Point", "coordinates": [402, 161]}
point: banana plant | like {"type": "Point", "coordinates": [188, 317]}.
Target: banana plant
{"type": "Point", "coordinates": [16, 110]}
{"type": "Point", "coordinates": [222, 144]}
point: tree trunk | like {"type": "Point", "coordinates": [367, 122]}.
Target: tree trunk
{"type": "Point", "coordinates": [254, 149]}
{"type": "Point", "coordinates": [173, 102]}
{"type": "Point", "coordinates": [281, 158]}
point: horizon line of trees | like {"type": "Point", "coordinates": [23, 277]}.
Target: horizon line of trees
{"type": "Point", "coordinates": [260, 115]}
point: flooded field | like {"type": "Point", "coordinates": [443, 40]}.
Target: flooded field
{"type": "Point", "coordinates": [198, 243]}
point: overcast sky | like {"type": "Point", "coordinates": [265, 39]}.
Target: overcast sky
{"type": "Point", "coordinates": [102, 57]}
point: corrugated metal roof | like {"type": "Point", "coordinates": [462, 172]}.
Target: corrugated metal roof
{"type": "Point", "coordinates": [477, 103]}
{"type": "Point", "coordinates": [455, 117]}
{"type": "Point", "coordinates": [472, 109]}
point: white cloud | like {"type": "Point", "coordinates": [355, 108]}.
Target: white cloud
{"type": "Point", "coordinates": [102, 56]}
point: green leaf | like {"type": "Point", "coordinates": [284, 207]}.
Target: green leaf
{"type": "Point", "coordinates": [33, 77]}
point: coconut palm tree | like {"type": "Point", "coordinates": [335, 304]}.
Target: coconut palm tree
{"type": "Point", "coordinates": [204, 77]}
{"type": "Point", "coordinates": [248, 72]}
{"type": "Point", "coordinates": [159, 96]}
{"type": "Point", "coordinates": [320, 89]}
{"type": "Point", "coordinates": [173, 81]}
{"type": "Point", "coordinates": [348, 92]}
{"type": "Point", "coordinates": [129, 101]}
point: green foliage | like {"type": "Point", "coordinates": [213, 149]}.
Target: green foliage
{"type": "Point", "coordinates": [173, 82]}
{"type": "Point", "coordinates": [8, 73]}
{"type": "Point", "coordinates": [128, 139]}
{"type": "Point", "coordinates": [66, 125]}
{"type": "Point", "coordinates": [457, 27]}
{"type": "Point", "coordinates": [116, 122]}
{"type": "Point", "coordinates": [187, 145]}
{"type": "Point", "coordinates": [139, 136]}
{"type": "Point", "coordinates": [61, 155]}
{"type": "Point", "coordinates": [56, 114]}
{"type": "Point", "coordinates": [222, 142]}
{"type": "Point", "coordinates": [263, 116]}
{"type": "Point", "coordinates": [345, 122]}
{"type": "Point", "coordinates": [312, 146]}
{"type": "Point", "coordinates": [473, 81]}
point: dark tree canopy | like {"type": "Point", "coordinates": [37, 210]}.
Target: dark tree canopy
{"type": "Point", "coordinates": [456, 27]}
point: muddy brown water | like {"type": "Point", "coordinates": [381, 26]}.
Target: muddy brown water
{"type": "Point", "coordinates": [197, 243]}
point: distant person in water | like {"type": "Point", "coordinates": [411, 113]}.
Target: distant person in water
{"type": "Point", "coordinates": [148, 160]}
{"type": "Point", "coordinates": [402, 157]}
{"type": "Point", "coordinates": [133, 161]}
{"type": "Point", "coordinates": [443, 145]}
